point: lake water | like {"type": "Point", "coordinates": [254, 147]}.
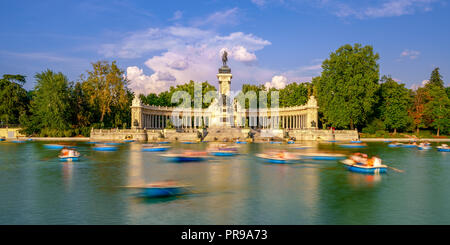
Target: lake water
{"type": "Point", "coordinates": [35, 188]}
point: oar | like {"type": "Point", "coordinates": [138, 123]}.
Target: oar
{"type": "Point", "coordinates": [398, 170]}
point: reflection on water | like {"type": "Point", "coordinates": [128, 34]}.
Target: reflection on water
{"type": "Point", "coordinates": [363, 180]}
{"type": "Point", "coordinates": [35, 188]}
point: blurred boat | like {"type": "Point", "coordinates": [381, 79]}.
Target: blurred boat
{"type": "Point", "coordinates": [188, 156]}
{"type": "Point", "coordinates": [353, 145]}
{"type": "Point", "coordinates": [18, 141]}
{"type": "Point", "coordinates": [104, 147]}
{"type": "Point", "coordinates": [291, 142]}
{"type": "Point", "coordinates": [422, 146]}
{"type": "Point", "coordinates": [223, 150]}
{"type": "Point", "coordinates": [355, 141]}
{"type": "Point", "coordinates": [113, 143]}
{"type": "Point", "coordinates": [92, 142]}
{"type": "Point", "coordinates": [163, 142]}
{"type": "Point", "coordinates": [53, 146]}
{"type": "Point", "coordinates": [188, 142]}
{"type": "Point", "coordinates": [444, 148]}
{"type": "Point", "coordinates": [241, 142]}
{"type": "Point", "coordinates": [362, 168]}
{"type": "Point", "coordinates": [69, 155]}
{"type": "Point", "coordinates": [153, 148]}
{"type": "Point", "coordinates": [278, 157]}
{"type": "Point", "coordinates": [409, 145]}
{"type": "Point", "coordinates": [161, 189]}
{"type": "Point", "coordinates": [128, 141]}
{"type": "Point", "coordinates": [2, 139]}
{"type": "Point", "coordinates": [321, 156]}
{"type": "Point", "coordinates": [395, 145]}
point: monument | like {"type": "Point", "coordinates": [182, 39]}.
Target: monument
{"type": "Point", "coordinates": [225, 118]}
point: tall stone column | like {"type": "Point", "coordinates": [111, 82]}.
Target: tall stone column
{"type": "Point", "coordinates": [312, 115]}
{"type": "Point", "coordinates": [136, 113]}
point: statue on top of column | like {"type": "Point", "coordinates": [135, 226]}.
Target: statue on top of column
{"type": "Point", "coordinates": [224, 58]}
{"type": "Point", "coordinates": [136, 101]}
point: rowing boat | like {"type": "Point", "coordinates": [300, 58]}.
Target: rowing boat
{"type": "Point", "coordinates": [321, 156]}
{"type": "Point", "coordinates": [279, 159]}
{"type": "Point", "coordinates": [153, 148]}
{"type": "Point", "coordinates": [361, 168]}
{"type": "Point", "coordinates": [353, 145]}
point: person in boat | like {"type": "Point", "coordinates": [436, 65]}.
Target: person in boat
{"type": "Point", "coordinates": [444, 146]}
{"type": "Point", "coordinates": [280, 154]}
{"type": "Point", "coordinates": [359, 158]}
{"type": "Point", "coordinates": [73, 153]}
{"type": "Point", "coordinates": [65, 152]}
{"type": "Point", "coordinates": [374, 161]}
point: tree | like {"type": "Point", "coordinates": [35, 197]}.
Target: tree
{"type": "Point", "coordinates": [395, 101]}
{"type": "Point", "coordinates": [164, 98]}
{"type": "Point", "coordinates": [82, 113]}
{"type": "Point", "coordinates": [107, 92]}
{"type": "Point", "coordinates": [435, 79]}
{"type": "Point", "coordinates": [346, 90]}
{"type": "Point", "coordinates": [246, 88]}
{"type": "Point", "coordinates": [437, 108]}
{"type": "Point", "coordinates": [416, 112]}
{"type": "Point", "coordinates": [295, 94]}
{"type": "Point", "coordinates": [51, 104]}
{"type": "Point", "coordinates": [13, 98]}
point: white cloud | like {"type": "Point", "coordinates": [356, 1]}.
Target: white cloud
{"type": "Point", "coordinates": [411, 54]}
{"type": "Point", "coordinates": [143, 84]}
{"type": "Point", "coordinates": [415, 86]}
{"type": "Point", "coordinates": [240, 53]}
{"type": "Point", "coordinates": [277, 82]}
{"type": "Point", "coordinates": [398, 8]}
{"type": "Point", "coordinates": [187, 53]}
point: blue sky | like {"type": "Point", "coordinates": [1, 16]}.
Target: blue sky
{"type": "Point", "coordinates": [272, 42]}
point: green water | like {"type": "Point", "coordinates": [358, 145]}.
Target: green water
{"type": "Point", "coordinates": [35, 188]}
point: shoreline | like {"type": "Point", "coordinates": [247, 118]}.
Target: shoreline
{"type": "Point", "coordinates": [52, 138]}
{"type": "Point", "coordinates": [404, 139]}
{"type": "Point", "coordinates": [82, 139]}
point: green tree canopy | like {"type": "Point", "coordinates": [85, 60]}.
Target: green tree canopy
{"type": "Point", "coordinates": [295, 94]}
{"type": "Point", "coordinates": [164, 98]}
{"type": "Point", "coordinates": [346, 90]}
{"type": "Point", "coordinates": [395, 102]}
{"type": "Point", "coordinates": [51, 104]}
{"type": "Point", "coordinates": [107, 93]}
{"type": "Point", "coordinates": [437, 108]}
{"type": "Point", "coordinates": [435, 79]}
{"type": "Point", "coordinates": [13, 98]}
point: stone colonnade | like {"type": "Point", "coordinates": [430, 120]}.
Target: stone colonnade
{"type": "Point", "coordinates": [297, 117]}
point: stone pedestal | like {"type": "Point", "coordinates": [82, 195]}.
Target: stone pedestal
{"type": "Point", "coordinates": [136, 113]}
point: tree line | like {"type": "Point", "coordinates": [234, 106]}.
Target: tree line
{"type": "Point", "coordinates": [349, 91]}
{"type": "Point", "coordinates": [351, 95]}
{"type": "Point", "coordinates": [58, 107]}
